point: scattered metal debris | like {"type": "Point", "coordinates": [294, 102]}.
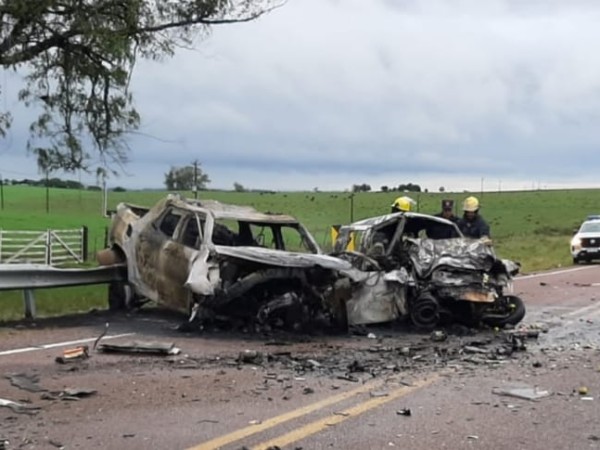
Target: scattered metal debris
{"type": "Point", "coordinates": [525, 393]}
{"type": "Point", "coordinates": [19, 408]}
{"type": "Point", "coordinates": [376, 394]}
{"type": "Point", "coordinates": [145, 347]}
{"type": "Point", "coordinates": [69, 394]}
{"type": "Point", "coordinates": [250, 357]}
{"type": "Point", "coordinates": [27, 382]}
{"type": "Point", "coordinates": [439, 336]}
{"type": "Point", "coordinates": [101, 335]}
{"type": "Point", "coordinates": [55, 443]}
{"type": "Point", "coordinates": [404, 412]}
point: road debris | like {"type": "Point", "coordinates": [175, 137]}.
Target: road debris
{"type": "Point", "coordinates": [4, 443]}
{"type": "Point", "coordinates": [55, 443]}
{"type": "Point", "coordinates": [19, 408]}
{"type": "Point", "coordinates": [404, 412]}
{"type": "Point", "coordinates": [250, 357]}
{"type": "Point", "coordinates": [525, 393]}
{"type": "Point", "coordinates": [439, 336]}
{"type": "Point", "coordinates": [69, 394]}
{"type": "Point", "coordinates": [27, 382]}
{"type": "Point", "coordinates": [73, 354]}
{"type": "Point", "coordinates": [376, 394]}
{"type": "Point", "coordinates": [145, 347]}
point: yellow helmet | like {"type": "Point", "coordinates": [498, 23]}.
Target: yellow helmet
{"type": "Point", "coordinates": [403, 204]}
{"type": "Point", "coordinates": [471, 204]}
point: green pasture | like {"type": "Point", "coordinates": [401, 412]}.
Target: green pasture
{"type": "Point", "coordinates": [533, 227]}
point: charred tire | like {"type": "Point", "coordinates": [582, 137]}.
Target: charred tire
{"type": "Point", "coordinates": [425, 311]}
{"type": "Point", "coordinates": [515, 311]}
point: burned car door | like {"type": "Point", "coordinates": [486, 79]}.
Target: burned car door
{"type": "Point", "coordinates": [174, 260]}
{"type": "Point", "coordinates": [148, 247]}
{"type": "Point", "coordinates": [157, 256]}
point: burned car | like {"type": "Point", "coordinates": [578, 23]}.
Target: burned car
{"type": "Point", "coordinates": [435, 280]}
{"type": "Point", "coordinates": [208, 259]}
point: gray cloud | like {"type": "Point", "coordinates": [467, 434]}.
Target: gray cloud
{"type": "Point", "coordinates": [349, 91]}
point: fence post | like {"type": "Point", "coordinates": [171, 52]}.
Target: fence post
{"type": "Point", "coordinates": [84, 243]}
{"type": "Point", "coordinates": [48, 247]}
{"type": "Point", "coordinates": [29, 301]}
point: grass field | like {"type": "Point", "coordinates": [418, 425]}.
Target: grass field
{"type": "Point", "coordinates": [533, 227]}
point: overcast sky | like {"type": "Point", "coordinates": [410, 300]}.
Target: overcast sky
{"type": "Point", "coordinates": [327, 93]}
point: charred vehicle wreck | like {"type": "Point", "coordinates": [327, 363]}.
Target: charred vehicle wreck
{"type": "Point", "coordinates": [212, 260]}
{"type": "Point", "coordinates": [217, 262]}
{"type": "Point", "coordinates": [433, 281]}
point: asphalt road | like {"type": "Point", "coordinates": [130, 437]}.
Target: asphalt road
{"type": "Point", "coordinates": [314, 391]}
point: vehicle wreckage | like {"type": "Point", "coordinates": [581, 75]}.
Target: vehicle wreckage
{"type": "Point", "coordinates": [215, 261]}
{"type": "Point", "coordinates": [434, 281]}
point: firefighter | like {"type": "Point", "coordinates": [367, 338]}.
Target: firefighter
{"type": "Point", "coordinates": [472, 224]}
{"type": "Point", "coordinates": [403, 204]}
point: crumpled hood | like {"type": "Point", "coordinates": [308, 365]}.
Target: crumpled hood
{"type": "Point", "coordinates": [459, 253]}
{"type": "Point", "coordinates": [280, 258]}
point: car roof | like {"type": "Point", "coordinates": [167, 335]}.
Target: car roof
{"type": "Point", "coordinates": [365, 224]}
{"type": "Point", "coordinates": [227, 211]}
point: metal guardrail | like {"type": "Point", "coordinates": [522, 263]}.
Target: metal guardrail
{"type": "Point", "coordinates": [38, 276]}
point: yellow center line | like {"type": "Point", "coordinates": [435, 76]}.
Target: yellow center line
{"type": "Point", "coordinates": [334, 419]}
{"type": "Point", "coordinates": [253, 429]}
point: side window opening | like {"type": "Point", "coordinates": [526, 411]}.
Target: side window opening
{"type": "Point", "coordinates": [223, 233]}
{"type": "Point", "coordinates": [169, 222]}
{"type": "Point", "coordinates": [191, 236]}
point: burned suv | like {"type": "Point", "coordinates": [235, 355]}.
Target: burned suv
{"type": "Point", "coordinates": [208, 259]}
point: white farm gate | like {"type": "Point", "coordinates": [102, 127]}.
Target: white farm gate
{"type": "Point", "coordinates": [51, 247]}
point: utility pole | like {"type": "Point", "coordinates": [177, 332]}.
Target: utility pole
{"type": "Point", "coordinates": [104, 196]}
{"type": "Point", "coordinates": [47, 193]}
{"type": "Point", "coordinates": [195, 186]}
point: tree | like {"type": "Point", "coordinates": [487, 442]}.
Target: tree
{"type": "Point", "coordinates": [77, 57]}
{"type": "Point", "coordinates": [361, 187]}
{"type": "Point", "coordinates": [182, 178]}
{"type": "Point", "coordinates": [237, 187]}
{"type": "Point", "coordinates": [385, 188]}
{"type": "Point", "coordinates": [442, 189]}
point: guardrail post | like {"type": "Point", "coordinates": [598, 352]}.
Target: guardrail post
{"type": "Point", "coordinates": [48, 247]}
{"type": "Point", "coordinates": [29, 302]}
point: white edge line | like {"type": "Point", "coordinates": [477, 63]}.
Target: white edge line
{"type": "Point", "coordinates": [59, 344]}
{"type": "Point", "coordinates": [556, 272]}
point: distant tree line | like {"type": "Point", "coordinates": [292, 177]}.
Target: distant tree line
{"type": "Point", "coordinates": [402, 188]}
{"type": "Point", "coordinates": [57, 183]}
{"type": "Point", "coordinates": [361, 187]}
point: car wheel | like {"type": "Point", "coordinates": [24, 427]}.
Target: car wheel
{"type": "Point", "coordinates": [514, 312]}
{"type": "Point", "coordinates": [575, 260]}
